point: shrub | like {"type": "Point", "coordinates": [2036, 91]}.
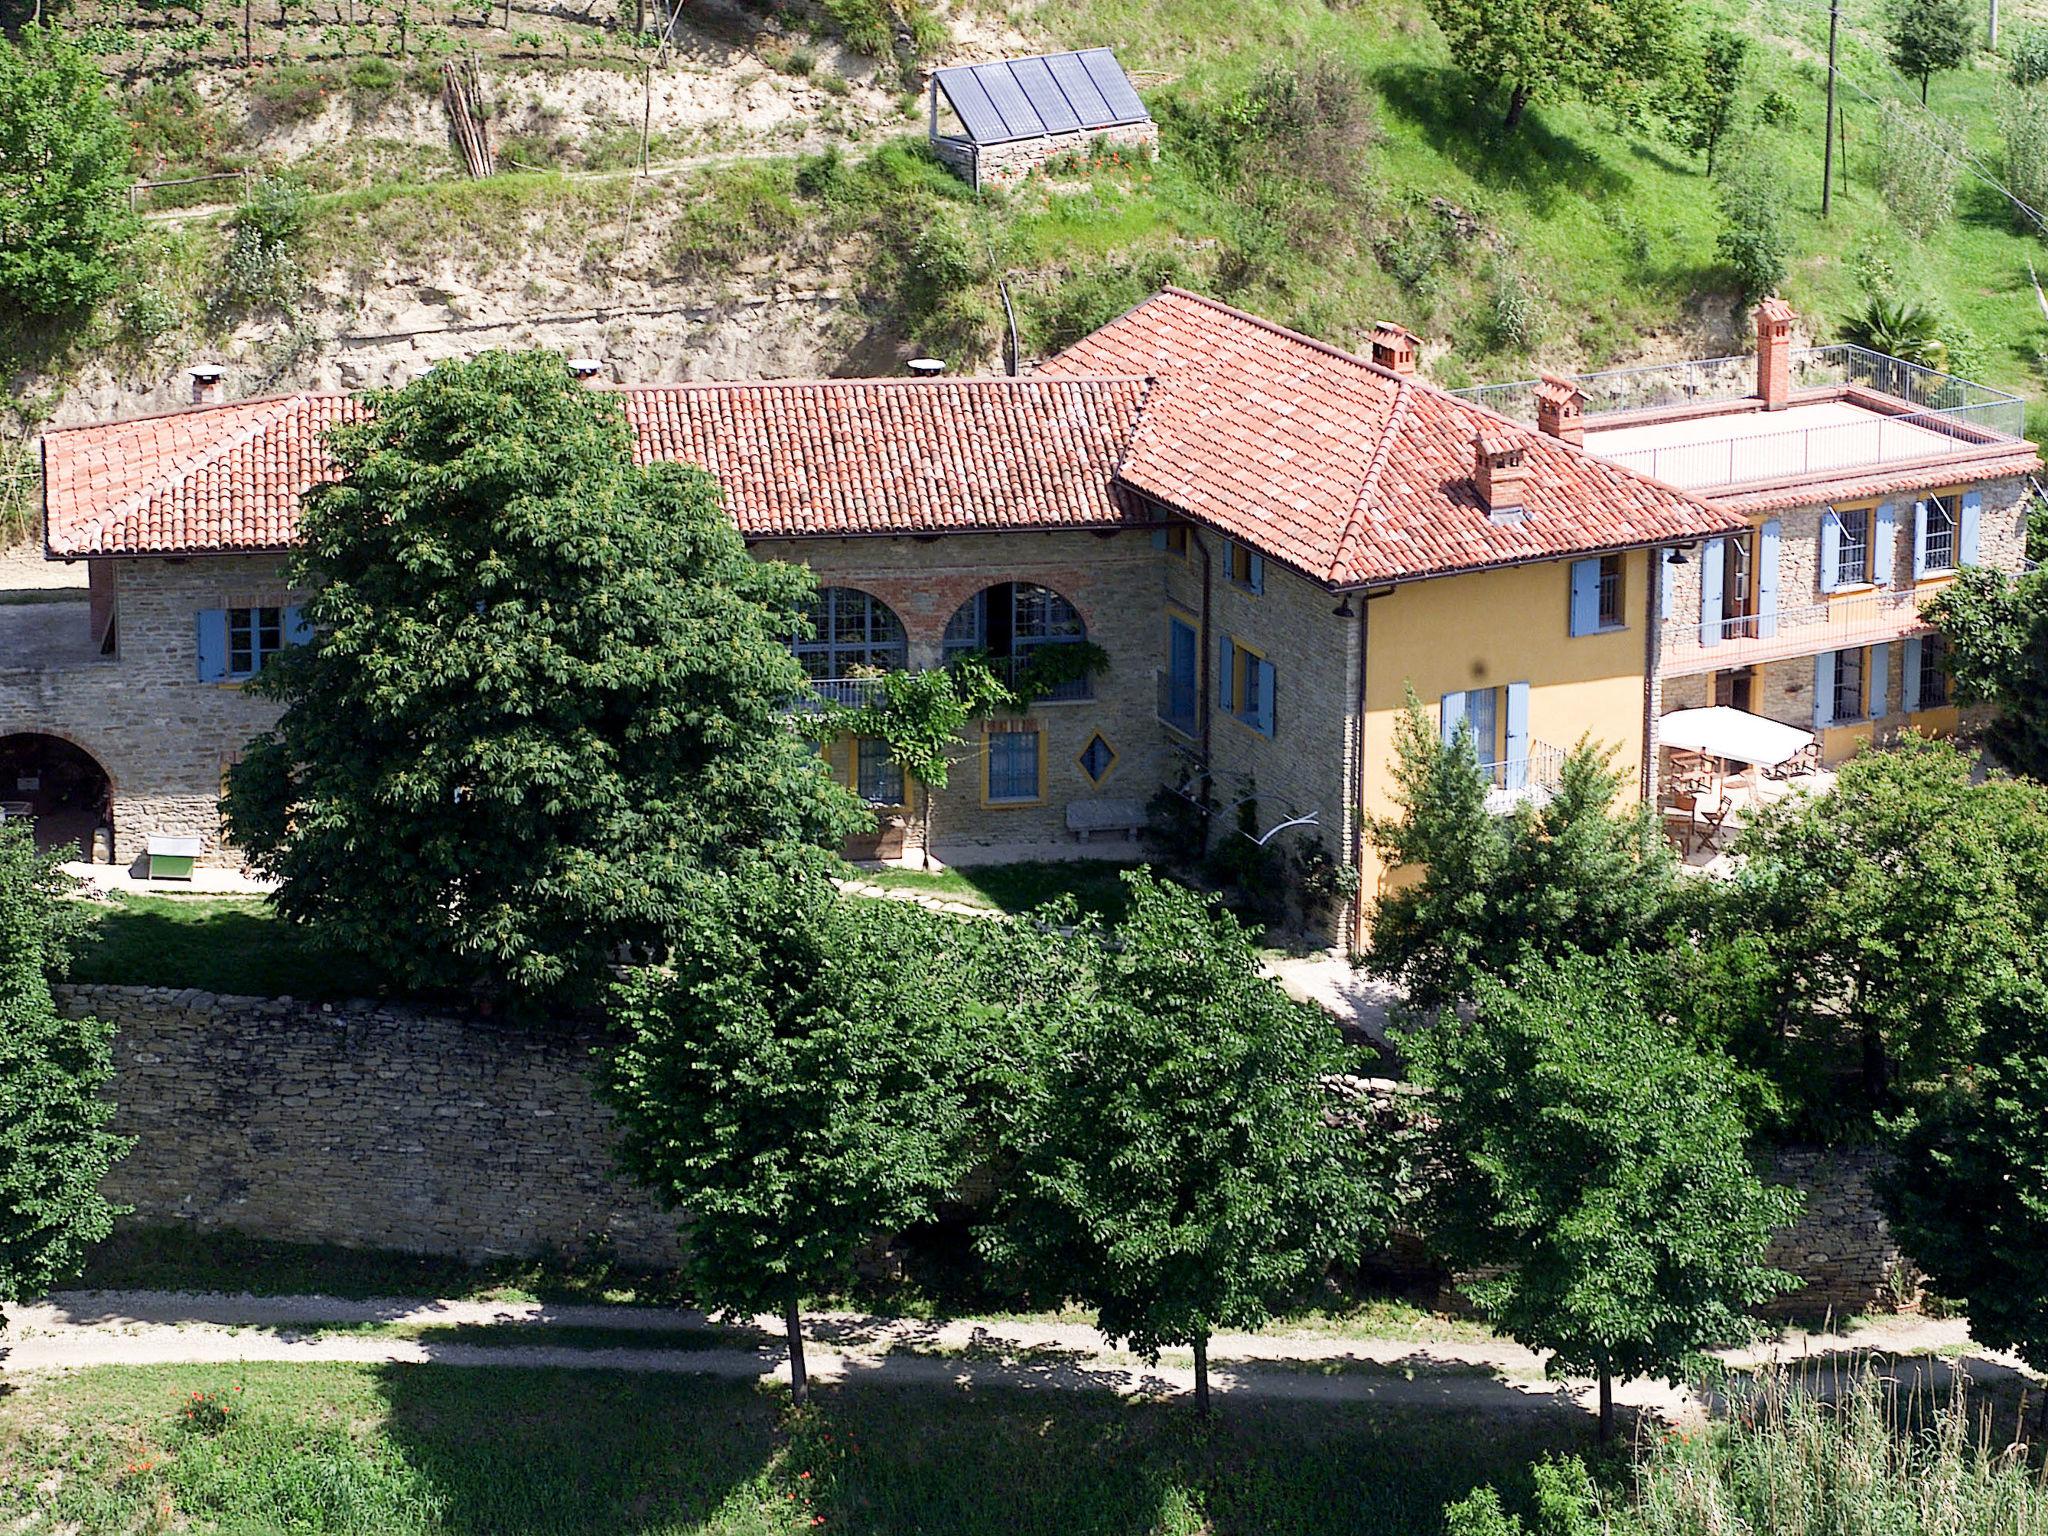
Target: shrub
{"type": "Point", "coordinates": [2023, 117]}
{"type": "Point", "coordinates": [1916, 169]}
{"type": "Point", "coordinates": [1774, 109]}
{"type": "Point", "coordinates": [373, 77]}
{"type": "Point", "coordinates": [1755, 243]}
{"type": "Point", "coordinates": [744, 211]}
{"type": "Point", "coordinates": [290, 93]}
{"type": "Point", "coordinates": [1512, 311]}
{"type": "Point", "coordinates": [2027, 56]}
{"type": "Point", "coordinates": [260, 270]}
{"type": "Point", "coordinates": [149, 315]}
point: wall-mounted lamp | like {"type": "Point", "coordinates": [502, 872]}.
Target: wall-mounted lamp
{"type": "Point", "coordinates": [1343, 610]}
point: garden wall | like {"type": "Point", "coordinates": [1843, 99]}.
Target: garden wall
{"type": "Point", "coordinates": [386, 1126]}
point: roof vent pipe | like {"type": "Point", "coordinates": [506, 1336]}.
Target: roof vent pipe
{"type": "Point", "coordinates": [585, 370]}
{"type": "Point", "coordinates": [927, 367]}
{"type": "Point", "coordinates": [208, 386]}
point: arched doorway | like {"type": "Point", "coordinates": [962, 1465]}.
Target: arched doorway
{"type": "Point", "coordinates": [1010, 620]}
{"type": "Point", "coordinates": [59, 788]}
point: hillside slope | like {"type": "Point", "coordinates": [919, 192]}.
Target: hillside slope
{"type": "Point", "coordinates": [790, 223]}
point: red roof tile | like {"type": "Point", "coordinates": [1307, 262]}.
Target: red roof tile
{"type": "Point", "coordinates": [1345, 470]}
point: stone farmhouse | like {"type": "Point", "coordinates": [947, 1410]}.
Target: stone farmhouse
{"type": "Point", "coordinates": [1276, 542]}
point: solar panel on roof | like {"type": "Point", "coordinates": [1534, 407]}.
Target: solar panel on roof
{"type": "Point", "coordinates": [1044, 94]}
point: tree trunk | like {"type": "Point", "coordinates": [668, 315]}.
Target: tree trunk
{"type": "Point", "coordinates": [1606, 1405]}
{"type": "Point", "coordinates": [1518, 99]}
{"type": "Point", "coordinates": [1202, 1375]}
{"type": "Point", "coordinates": [1875, 1068]}
{"type": "Point", "coordinates": [1923, 90]}
{"type": "Point", "coordinates": [799, 1379]}
{"type": "Point", "coordinates": [926, 790]}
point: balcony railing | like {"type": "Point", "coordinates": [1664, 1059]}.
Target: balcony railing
{"type": "Point", "coordinates": [1925, 389]}
{"type": "Point", "coordinates": [1179, 702]}
{"type": "Point", "coordinates": [1857, 619]}
{"type": "Point", "coordinates": [847, 692]}
{"type": "Point", "coordinates": [1519, 779]}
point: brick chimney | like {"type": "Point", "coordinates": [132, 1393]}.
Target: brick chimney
{"type": "Point", "coordinates": [1774, 319]}
{"type": "Point", "coordinates": [1498, 473]}
{"type": "Point", "coordinates": [586, 370]}
{"type": "Point", "coordinates": [208, 384]}
{"type": "Point", "coordinates": [1393, 347]}
{"type": "Point", "coordinates": [1561, 408]}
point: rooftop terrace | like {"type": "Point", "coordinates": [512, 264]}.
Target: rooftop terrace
{"type": "Point", "coordinates": [1702, 425]}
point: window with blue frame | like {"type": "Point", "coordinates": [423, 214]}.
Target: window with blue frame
{"type": "Point", "coordinates": [1180, 697]}
{"type": "Point", "coordinates": [1013, 763]}
{"type": "Point", "coordinates": [1596, 599]}
{"type": "Point", "coordinates": [880, 778]}
{"type": "Point", "coordinates": [1246, 686]}
{"type": "Point", "coordinates": [234, 643]}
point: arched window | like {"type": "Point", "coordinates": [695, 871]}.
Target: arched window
{"type": "Point", "coordinates": [1011, 620]}
{"type": "Point", "coordinates": [851, 631]}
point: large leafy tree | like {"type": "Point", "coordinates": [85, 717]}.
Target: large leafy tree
{"type": "Point", "coordinates": [1706, 86]}
{"type": "Point", "coordinates": [55, 1145]}
{"type": "Point", "coordinates": [1968, 1194]}
{"type": "Point", "coordinates": [1179, 1167]}
{"type": "Point", "coordinates": [1996, 629]}
{"type": "Point", "coordinates": [547, 692]}
{"type": "Point", "coordinates": [1925, 37]}
{"type": "Point", "coordinates": [1600, 50]}
{"type": "Point", "coordinates": [1574, 871]}
{"type": "Point", "coordinates": [63, 177]}
{"type": "Point", "coordinates": [1592, 1176]}
{"type": "Point", "coordinates": [1881, 918]}
{"type": "Point", "coordinates": [795, 1082]}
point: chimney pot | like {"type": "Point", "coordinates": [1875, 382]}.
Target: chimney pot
{"type": "Point", "coordinates": [1498, 474]}
{"type": "Point", "coordinates": [927, 367]}
{"type": "Point", "coordinates": [208, 387]}
{"type": "Point", "coordinates": [586, 370]}
{"type": "Point", "coordinates": [1394, 347]}
{"type": "Point", "coordinates": [1561, 408]}
{"type": "Point", "coordinates": [1774, 319]}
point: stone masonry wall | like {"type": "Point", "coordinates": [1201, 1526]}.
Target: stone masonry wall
{"type": "Point", "coordinates": [1001, 165]}
{"type": "Point", "coordinates": [1841, 1248]}
{"type": "Point", "coordinates": [372, 1125]}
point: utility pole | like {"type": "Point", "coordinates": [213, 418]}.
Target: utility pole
{"type": "Point", "coordinates": [1994, 26]}
{"type": "Point", "coordinates": [1827, 159]}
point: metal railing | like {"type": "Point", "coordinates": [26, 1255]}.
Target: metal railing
{"type": "Point", "coordinates": [1178, 702]}
{"type": "Point", "coordinates": [1522, 778]}
{"type": "Point", "coordinates": [846, 692]}
{"type": "Point", "coordinates": [1860, 618]}
{"type": "Point", "coordinates": [1925, 389]}
{"type": "Point", "coordinates": [1742, 458]}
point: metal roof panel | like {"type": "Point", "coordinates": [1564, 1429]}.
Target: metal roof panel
{"type": "Point", "coordinates": [1043, 94]}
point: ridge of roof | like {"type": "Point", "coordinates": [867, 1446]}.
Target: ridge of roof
{"type": "Point", "coordinates": [172, 412]}
{"type": "Point", "coordinates": [1287, 333]}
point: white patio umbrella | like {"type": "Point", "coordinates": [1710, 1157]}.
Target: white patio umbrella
{"type": "Point", "coordinates": [1733, 735]}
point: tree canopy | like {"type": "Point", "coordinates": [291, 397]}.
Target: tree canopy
{"type": "Point", "coordinates": [1996, 630]}
{"type": "Point", "coordinates": [1592, 1175]}
{"type": "Point", "coordinates": [1574, 871]}
{"type": "Point", "coordinates": [1604, 51]}
{"type": "Point", "coordinates": [795, 1082]}
{"type": "Point", "coordinates": [546, 692]}
{"type": "Point", "coordinates": [1925, 37]}
{"type": "Point", "coordinates": [1706, 85]}
{"type": "Point", "coordinates": [55, 1141]}
{"type": "Point", "coordinates": [1180, 1167]}
{"type": "Point", "coordinates": [63, 176]}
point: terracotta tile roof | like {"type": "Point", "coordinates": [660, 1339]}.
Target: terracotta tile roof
{"type": "Point", "coordinates": [1997, 462]}
{"type": "Point", "coordinates": [1349, 472]}
{"type": "Point", "coordinates": [836, 456]}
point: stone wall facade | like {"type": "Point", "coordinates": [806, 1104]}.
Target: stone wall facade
{"type": "Point", "coordinates": [1002, 165]}
{"type": "Point", "coordinates": [378, 1126]}
{"type": "Point", "coordinates": [1840, 1247]}
{"type": "Point", "coordinates": [164, 738]}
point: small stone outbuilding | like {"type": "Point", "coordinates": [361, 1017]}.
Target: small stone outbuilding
{"type": "Point", "coordinates": [996, 123]}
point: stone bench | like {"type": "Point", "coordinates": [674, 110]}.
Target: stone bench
{"type": "Point", "coordinates": [1087, 817]}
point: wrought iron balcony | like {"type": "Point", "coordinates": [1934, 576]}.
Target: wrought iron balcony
{"type": "Point", "coordinates": [1520, 780]}
{"type": "Point", "coordinates": [1847, 620]}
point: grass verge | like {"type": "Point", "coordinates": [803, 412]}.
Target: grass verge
{"type": "Point", "coordinates": [1095, 884]}
{"type": "Point", "coordinates": [424, 1450]}
{"type": "Point", "coordinates": [234, 944]}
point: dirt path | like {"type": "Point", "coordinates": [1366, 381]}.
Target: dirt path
{"type": "Point", "coordinates": [78, 1329]}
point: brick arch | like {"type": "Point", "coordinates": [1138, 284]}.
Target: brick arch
{"type": "Point", "coordinates": [54, 812]}
{"type": "Point", "coordinates": [970, 586]}
{"type": "Point", "coordinates": [99, 758]}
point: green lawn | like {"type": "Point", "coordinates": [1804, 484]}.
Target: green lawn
{"type": "Point", "coordinates": [1095, 884]}
{"type": "Point", "coordinates": [423, 1450]}
{"type": "Point", "coordinates": [218, 944]}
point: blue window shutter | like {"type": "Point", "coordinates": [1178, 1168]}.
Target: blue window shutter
{"type": "Point", "coordinates": [1830, 548]}
{"type": "Point", "coordinates": [1973, 516]}
{"type": "Point", "coordinates": [1667, 600]}
{"type": "Point", "coordinates": [1823, 690]}
{"type": "Point", "coordinates": [1226, 683]}
{"type": "Point", "coordinates": [1585, 596]}
{"type": "Point", "coordinates": [1159, 538]}
{"type": "Point", "coordinates": [1711, 573]}
{"type": "Point", "coordinates": [298, 629]}
{"type": "Point", "coordinates": [1517, 753]}
{"type": "Point", "coordinates": [1884, 539]}
{"type": "Point", "coordinates": [1879, 680]}
{"type": "Point", "coordinates": [213, 645]}
{"type": "Point", "coordinates": [1258, 573]}
{"type": "Point", "coordinates": [1264, 717]}
{"type": "Point", "coordinates": [1768, 538]}
{"type": "Point", "coordinates": [1453, 717]}
{"type": "Point", "coordinates": [1919, 539]}
{"type": "Point", "coordinates": [1910, 704]}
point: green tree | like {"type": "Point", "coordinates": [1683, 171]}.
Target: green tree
{"type": "Point", "coordinates": [793, 1083]}
{"type": "Point", "coordinates": [63, 177]}
{"type": "Point", "coordinates": [1968, 1194]}
{"type": "Point", "coordinates": [1592, 1172]}
{"type": "Point", "coordinates": [548, 692]}
{"type": "Point", "coordinates": [1535, 49]}
{"type": "Point", "coordinates": [1995, 627]}
{"type": "Point", "coordinates": [1568, 870]}
{"type": "Point", "coordinates": [55, 1145]}
{"type": "Point", "coordinates": [1925, 37]}
{"type": "Point", "coordinates": [1706, 87]}
{"type": "Point", "coordinates": [1179, 1166]}
{"type": "Point", "coordinates": [1755, 241]}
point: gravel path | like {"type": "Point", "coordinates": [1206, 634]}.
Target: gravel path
{"type": "Point", "coordinates": [77, 1329]}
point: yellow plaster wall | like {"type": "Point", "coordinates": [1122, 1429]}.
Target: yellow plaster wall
{"type": "Point", "coordinates": [1487, 630]}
